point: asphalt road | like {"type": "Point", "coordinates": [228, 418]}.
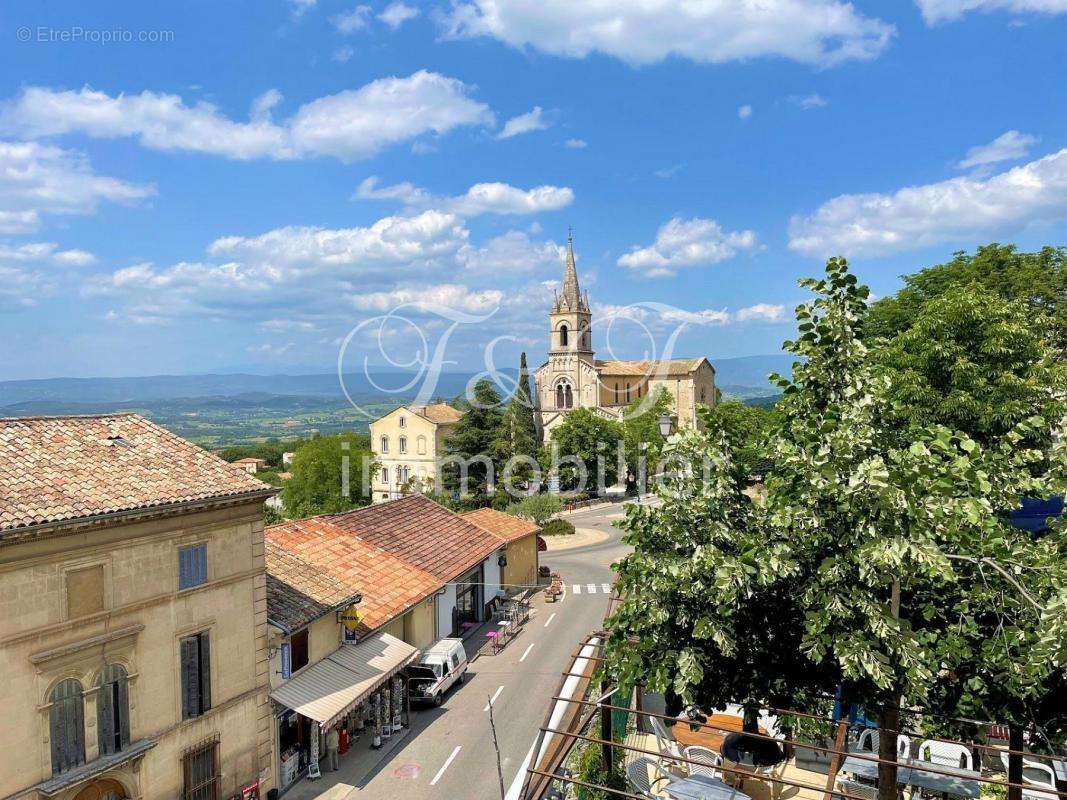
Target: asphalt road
{"type": "Point", "coordinates": [449, 752]}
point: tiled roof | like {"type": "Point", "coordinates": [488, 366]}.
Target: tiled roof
{"type": "Point", "coordinates": [56, 469]}
{"type": "Point", "coordinates": [652, 369]}
{"type": "Point", "coordinates": [422, 533]}
{"type": "Point", "coordinates": [323, 552]}
{"type": "Point", "coordinates": [507, 527]}
{"type": "Point", "coordinates": [299, 592]}
{"type": "Point", "coordinates": [439, 413]}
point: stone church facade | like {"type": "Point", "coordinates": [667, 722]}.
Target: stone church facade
{"type": "Point", "coordinates": [574, 378]}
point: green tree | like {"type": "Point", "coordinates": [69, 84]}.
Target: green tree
{"type": "Point", "coordinates": [747, 429]}
{"type": "Point", "coordinates": [1037, 279]}
{"type": "Point", "coordinates": [518, 433]}
{"type": "Point", "coordinates": [538, 508]}
{"type": "Point", "coordinates": [641, 435]}
{"type": "Point", "coordinates": [318, 482]}
{"type": "Point", "coordinates": [473, 448]}
{"type": "Point", "coordinates": [586, 443]}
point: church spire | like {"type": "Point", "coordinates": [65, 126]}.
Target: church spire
{"type": "Point", "coordinates": [571, 295]}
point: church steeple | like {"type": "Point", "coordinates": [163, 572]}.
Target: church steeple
{"type": "Point", "coordinates": [570, 297]}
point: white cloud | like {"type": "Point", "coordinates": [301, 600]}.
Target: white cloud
{"type": "Point", "coordinates": [482, 198]}
{"type": "Point", "coordinates": [707, 316]}
{"type": "Point", "coordinates": [668, 172]}
{"type": "Point", "coordinates": [512, 253]}
{"type": "Point", "coordinates": [396, 14]}
{"type": "Point", "coordinates": [963, 208]}
{"type": "Point", "coordinates": [935, 11]}
{"type": "Point", "coordinates": [264, 104]}
{"type": "Point", "coordinates": [576, 144]}
{"type": "Point", "coordinates": [20, 288]}
{"type": "Point", "coordinates": [744, 112]}
{"type": "Point", "coordinates": [342, 55]}
{"type": "Point", "coordinates": [762, 312]}
{"type": "Point", "coordinates": [444, 295]}
{"type": "Point", "coordinates": [823, 32]}
{"type": "Point", "coordinates": [352, 21]}
{"type": "Point", "coordinates": [45, 252]}
{"type": "Point", "coordinates": [531, 121]}
{"type": "Point", "coordinates": [301, 7]}
{"type": "Point", "coordinates": [38, 179]}
{"type": "Point", "coordinates": [349, 125]}
{"type": "Point", "coordinates": [1008, 146]}
{"type": "Point", "coordinates": [807, 101]}
{"type": "Point", "coordinates": [687, 243]}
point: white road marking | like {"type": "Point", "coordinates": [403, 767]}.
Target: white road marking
{"type": "Point", "coordinates": [492, 699]}
{"type": "Point", "coordinates": [563, 596]}
{"type": "Point", "coordinates": [590, 588]}
{"type": "Point", "coordinates": [577, 589]}
{"type": "Point", "coordinates": [528, 649]}
{"type": "Point", "coordinates": [606, 587]}
{"type": "Point", "coordinates": [448, 762]}
{"type": "Point", "coordinates": [549, 620]}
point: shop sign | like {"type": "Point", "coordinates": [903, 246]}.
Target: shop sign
{"type": "Point", "coordinates": [350, 618]}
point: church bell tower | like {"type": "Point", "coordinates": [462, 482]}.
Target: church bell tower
{"type": "Point", "coordinates": [570, 321]}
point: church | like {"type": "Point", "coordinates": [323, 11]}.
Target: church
{"type": "Point", "coordinates": [574, 378]}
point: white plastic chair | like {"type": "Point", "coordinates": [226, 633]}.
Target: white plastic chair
{"type": "Point", "coordinates": [870, 740]}
{"type": "Point", "coordinates": [1046, 777]}
{"type": "Point", "coordinates": [945, 754]}
{"type": "Point", "coordinates": [708, 759]}
{"type": "Point", "coordinates": [668, 747]}
{"type": "Point", "coordinates": [854, 789]}
{"type": "Point", "coordinates": [639, 772]}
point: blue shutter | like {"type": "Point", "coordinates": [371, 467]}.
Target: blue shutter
{"type": "Point", "coordinates": [192, 566]}
{"type": "Point", "coordinates": [184, 569]}
{"type": "Point", "coordinates": [200, 553]}
{"type": "Point", "coordinates": [287, 668]}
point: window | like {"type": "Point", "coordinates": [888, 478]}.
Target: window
{"type": "Point", "coordinates": [67, 726]}
{"type": "Point", "coordinates": [403, 444]}
{"type": "Point", "coordinates": [402, 422]}
{"type": "Point", "coordinates": [562, 335]}
{"type": "Point", "coordinates": [192, 566]}
{"type": "Point", "coordinates": [200, 772]}
{"type": "Point", "coordinates": [616, 393]}
{"type": "Point", "coordinates": [568, 397]}
{"type": "Point", "coordinates": [299, 643]}
{"type": "Point", "coordinates": [627, 393]}
{"type": "Point", "coordinates": [385, 475]}
{"type": "Point", "coordinates": [559, 396]}
{"type": "Point", "coordinates": [420, 445]}
{"type": "Point", "coordinates": [113, 710]}
{"type": "Point", "coordinates": [384, 444]}
{"type": "Point", "coordinates": [196, 675]}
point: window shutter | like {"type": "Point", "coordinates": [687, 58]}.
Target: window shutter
{"type": "Point", "coordinates": [205, 672]}
{"type": "Point", "coordinates": [287, 668]}
{"type": "Point", "coordinates": [184, 569]}
{"type": "Point", "coordinates": [190, 658]}
{"type": "Point", "coordinates": [105, 714]}
{"type": "Point", "coordinates": [122, 712]}
{"type": "Point", "coordinates": [201, 563]}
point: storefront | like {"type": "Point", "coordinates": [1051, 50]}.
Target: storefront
{"type": "Point", "coordinates": [470, 593]}
{"type": "Point", "coordinates": [358, 690]}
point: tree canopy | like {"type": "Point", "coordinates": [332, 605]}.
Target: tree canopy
{"type": "Point", "coordinates": [518, 433]}
{"type": "Point", "coordinates": [317, 485]}
{"type": "Point", "coordinates": [746, 428]}
{"type": "Point", "coordinates": [474, 447]}
{"type": "Point", "coordinates": [641, 435]}
{"type": "Point", "coordinates": [585, 440]}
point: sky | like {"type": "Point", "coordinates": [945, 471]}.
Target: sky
{"type": "Point", "coordinates": [265, 185]}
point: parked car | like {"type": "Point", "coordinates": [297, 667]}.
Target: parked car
{"type": "Point", "coordinates": [442, 665]}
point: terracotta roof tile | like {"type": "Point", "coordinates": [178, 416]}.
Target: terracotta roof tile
{"type": "Point", "coordinates": [507, 527]}
{"type": "Point", "coordinates": [652, 369]}
{"type": "Point", "coordinates": [55, 469]}
{"type": "Point", "coordinates": [423, 533]}
{"type": "Point", "coordinates": [306, 557]}
{"type": "Point", "coordinates": [440, 413]}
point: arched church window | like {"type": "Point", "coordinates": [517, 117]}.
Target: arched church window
{"type": "Point", "coordinates": [569, 396]}
{"type": "Point", "coordinates": [562, 335]}
{"type": "Point", "coordinates": [559, 396]}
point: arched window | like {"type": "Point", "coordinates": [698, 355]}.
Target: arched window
{"type": "Point", "coordinates": [113, 710]}
{"type": "Point", "coordinates": [562, 335]}
{"type": "Point", "coordinates": [560, 398]}
{"type": "Point", "coordinates": [616, 392]}
{"type": "Point", "coordinates": [403, 444]}
{"type": "Point", "coordinates": [627, 393]}
{"type": "Point", "coordinates": [67, 726]}
{"type": "Point", "coordinates": [420, 445]}
{"type": "Point", "coordinates": [402, 422]}
{"type": "Point", "coordinates": [385, 444]}
{"type": "Point", "coordinates": [385, 475]}
{"type": "Point", "coordinates": [569, 397]}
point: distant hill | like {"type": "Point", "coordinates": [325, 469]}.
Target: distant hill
{"type": "Point", "coordinates": [752, 371]}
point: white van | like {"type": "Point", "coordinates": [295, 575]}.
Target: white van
{"type": "Point", "coordinates": [441, 665]}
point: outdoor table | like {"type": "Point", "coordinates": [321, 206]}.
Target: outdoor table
{"type": "Point", "coordinates": [702, 787]}
{"type": "Point", "coordinates": [494, 637]}
{"type": "Point", "coordinates": [962, 782]}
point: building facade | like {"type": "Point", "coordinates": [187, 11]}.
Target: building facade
{"type": "Point", "coordinates": [133, 631]}
{"type": "Point", "coordinates": [574, 378]}
{"type": "Point", "coordinates": [408, 444]}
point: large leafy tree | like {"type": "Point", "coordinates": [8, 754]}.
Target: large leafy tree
{"type": "Point", "coordinates": [863, 537]}
{"type": "Point", "coordinates": [319, 483]}
{"type": "Point", "coordinates": [641, 435]}
{"type": "Point", "coordinates": [517, 440]}
{"type": "Point", "coordinates": [584, 442]}
{"type": "Point", "coordinates": [747, 429]}
{"type": "Point", "coordinates": [473, 447]}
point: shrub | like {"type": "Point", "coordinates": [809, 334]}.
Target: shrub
{"type": "Point", "coordinates": [538, 508]}
{"type": "Point", "coordinates": [557, 527]}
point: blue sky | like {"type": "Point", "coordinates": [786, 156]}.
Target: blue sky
{"type": "Point", "coordinates": [257, 179]}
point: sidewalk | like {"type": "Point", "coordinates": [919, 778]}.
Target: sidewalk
{"type": "Point", "coordinates": [354, 769]}
{"type": "Point", "coordinates": [582, 537]}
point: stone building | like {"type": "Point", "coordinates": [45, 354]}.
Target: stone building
{"type": "Point", "coordinates": [408, 444]}
{"type": "Point", "coordinates": [133, 630]}
{"type": "Point", "coordinates": [574, 378]}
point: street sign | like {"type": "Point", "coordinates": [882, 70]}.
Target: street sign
{"type": "Point", "coordinates": [350, 618]}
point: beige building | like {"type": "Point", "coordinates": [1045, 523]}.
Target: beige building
{"type": "Point", "coordinates": [408, 444]}
{"type": "Point", "coordinates": [133, 631]}
{"type": "Point", "coordinates": [574, 378]}
{"type": "Point", "coordinates": [521, 558]}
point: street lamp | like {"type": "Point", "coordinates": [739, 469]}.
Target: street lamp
{"type": "Point", "coordinates": [666, 425]}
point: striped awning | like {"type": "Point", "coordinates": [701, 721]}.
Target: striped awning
{"type": "Point", "coordinates": [330, 688]}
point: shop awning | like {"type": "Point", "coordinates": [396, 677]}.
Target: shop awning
{"type": "Point", "coordinates": [330, 688]}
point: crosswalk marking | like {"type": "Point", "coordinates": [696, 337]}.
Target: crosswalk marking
{"type": "Point", "coordinates": [591, 588]}
{"type": "Point", "coordinates": [606, 587]}
{"type": "Point", "coordinates": [577, 589]}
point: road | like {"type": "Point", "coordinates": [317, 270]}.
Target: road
{"type": "Point", "coordinates": [449, 751]}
